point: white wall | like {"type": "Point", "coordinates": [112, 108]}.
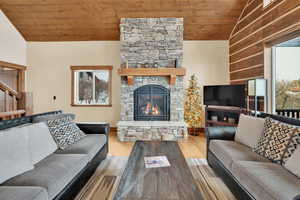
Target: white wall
{"type": "Point", "coordinates": [49, 72]}
{"type": "Point", "coordinates": [208, 60]}
{"type": "Point", "coordinates": [12, 44]}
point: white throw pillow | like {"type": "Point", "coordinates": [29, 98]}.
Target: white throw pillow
{"type": "Point", "coordinates": [249, 130]}
{"type": "Point", "coordinates": [14, 153]}
{"type": "Point", "coordinates": [41, 143]}
{"type": "Point", "coordinates": [292, 164]}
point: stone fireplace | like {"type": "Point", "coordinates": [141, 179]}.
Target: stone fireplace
{"type": "Point", "coordinates": [151, 104]}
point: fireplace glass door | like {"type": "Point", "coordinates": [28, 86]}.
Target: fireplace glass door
{"type": "Point", "coordinates": [152, 103]}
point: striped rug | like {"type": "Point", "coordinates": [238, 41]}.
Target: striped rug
{"type": "Point", "coordinates": [103, 184]}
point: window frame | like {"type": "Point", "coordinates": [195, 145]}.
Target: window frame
{"type": "Point", "coordinates": [74, 69]}
{"type": "Point", "coordinates": [269, 61]}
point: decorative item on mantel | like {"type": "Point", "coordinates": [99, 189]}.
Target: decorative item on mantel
{"type": "Point", "coordinates": [193, 107]}
{"type": "Point", "coordinates": [176, 63]}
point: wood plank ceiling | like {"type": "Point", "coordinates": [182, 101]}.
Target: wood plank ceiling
{"type": "Point", "coordinates": [83, 20]}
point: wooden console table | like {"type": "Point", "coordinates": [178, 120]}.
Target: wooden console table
{"type": "Point", "coordinates": [222, 113]}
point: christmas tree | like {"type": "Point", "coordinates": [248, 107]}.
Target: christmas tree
{"type": "Point", "coordinates": [192, 104]}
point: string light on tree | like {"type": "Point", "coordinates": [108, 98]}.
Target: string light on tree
{"type": "Point", "coordinates": [193, 106]}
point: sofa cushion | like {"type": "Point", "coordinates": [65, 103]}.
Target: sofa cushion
{"type": "Point", "coordinates": [89, 145]}
{"type": "Point", "coordinates": [64, 132]}
{"type": "Point", "coordinates": [249, 130]}
{"type": "Point", "coordinates": [43, 118]}
{"type": "Point", "coordinates": [293, 163]}
{"type": "Point", "coordinates": [23, 193]}
{"type": "Point", "coordinates": [14, 153]}
{"type": "Point", "coordinates": [41, 143]}
{"type": "Point", "coordinates": [229, 151]}
{"type": "Point", "coordinates": [278, 141]}
{"type": "Point", "coordinates": [53, 173]}
{"type": "Point", "coordinates": [266, 180]}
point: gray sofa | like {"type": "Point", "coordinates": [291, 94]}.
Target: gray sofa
{"type": "Point", "coordinates": [62, 174]}
{"type": "Point", "coordinates": [247, 174]}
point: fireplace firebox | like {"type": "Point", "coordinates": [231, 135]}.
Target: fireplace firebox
{"type": "Point", "coordinates": [152, 103]}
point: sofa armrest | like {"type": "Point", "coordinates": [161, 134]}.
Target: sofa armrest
{"type": "Point", "coordinates": [297, 197]}
{"type": "Point", "coordinates": [220, 133]}
{"type": "Point", "coordinates": [94, 127]}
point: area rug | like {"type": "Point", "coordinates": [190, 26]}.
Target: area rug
{"type": "Point", "coordinates": [104, 183]}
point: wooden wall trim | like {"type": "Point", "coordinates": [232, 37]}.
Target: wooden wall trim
{"type": "Point", "coordinates": [254, 66]}
{"type": "Point", "coordinates": [265, 12]}
{"type": "Point", "coordinates": [12, 65]}
{"type": "Point", "coordinates": [91, 67]}
{"type": "Point", "coordinates": [257, 28]}
{"type": "Point", "coordinates": [279, 39]}
{"type": "Point", "coordinates": [246, 35]}
{"type": "Point", "coordinates": [235, 26]}
{"type": "Point", "coordinates": [272, 29]}
{"type": "Point", "coordinates": [250, 8]}
{"type": "Point", "coordinates": [246, 57]}
{"type": "Point", "coordinates": [268, 38]}
{"type": "Point", "coordinates": [252, 50]}
{"type": "Point", "coordinates": [250, 62]}
{"type": "Point", "coordinates": [256, 9]}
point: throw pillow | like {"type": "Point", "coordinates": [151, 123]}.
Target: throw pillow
{"type": "Point", "coordinates": [41, 143]}
{"type": "Point", "coordinates": [14, 153]}
{"type": "Point", "coordinates": [64, 132]}
{"type": "Point", "coordinates": [249, 130]}
{"type": "Point", "coordinates": [292, 164]}
{"type": "Point", "coordinates": [278, 141]}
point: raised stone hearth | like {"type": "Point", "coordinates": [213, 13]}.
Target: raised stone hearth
{"type": "Point", "coordinates": [156, 42]}
{"type": "Point", "coordinates": [151, 130]}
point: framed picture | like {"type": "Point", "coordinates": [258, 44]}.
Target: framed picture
{"type": "Point", "coordinates": [91, 85]}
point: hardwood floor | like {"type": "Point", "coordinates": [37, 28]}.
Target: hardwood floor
{"type": "Point", "coordinates": [192, 146]}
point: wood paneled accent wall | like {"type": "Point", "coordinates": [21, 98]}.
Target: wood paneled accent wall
{"type": "Point", "coordinates": [256, 27]}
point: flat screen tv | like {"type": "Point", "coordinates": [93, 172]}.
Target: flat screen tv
{"type": "Point", "coordinates": [225, 95]}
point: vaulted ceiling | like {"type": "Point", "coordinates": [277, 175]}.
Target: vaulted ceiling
{"type": "Point", "coordinates": [84, 20]}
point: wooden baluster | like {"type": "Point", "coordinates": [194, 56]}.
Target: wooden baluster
{"type": "Point", "coordinates": [15, 102]}
{"type": "Point", "coordinates": [6, 101]}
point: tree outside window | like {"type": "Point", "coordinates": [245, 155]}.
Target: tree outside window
{"type": "Point", "coordinates": [91, 85]}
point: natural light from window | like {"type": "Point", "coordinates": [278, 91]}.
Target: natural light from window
{"type": "Point", "coordinates": [287, 77]}
{"type": "Point", "coordinates": [267, 2]}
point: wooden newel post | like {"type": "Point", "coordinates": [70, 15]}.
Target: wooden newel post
{"type": "Point", "coordinates": [26, 102]}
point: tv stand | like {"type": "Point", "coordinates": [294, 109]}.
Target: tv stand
{"type": "Point", "coordinates": [223, 115]}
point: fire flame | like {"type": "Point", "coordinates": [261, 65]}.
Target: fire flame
{"type": "Point", "coordinates": [151, 109]}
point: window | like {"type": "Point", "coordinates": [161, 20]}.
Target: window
{"type": "Point", "coordinates": [286, 77]}
{"type": "Point", "coordinates": [91, 85]}
{"type": "Point", "coordinates": [268, 2]}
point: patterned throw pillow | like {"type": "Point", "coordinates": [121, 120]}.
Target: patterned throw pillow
{"type": "Point", "coordinates": [64, 132]}
{"type": "Point", "coordinates": [278, 141]}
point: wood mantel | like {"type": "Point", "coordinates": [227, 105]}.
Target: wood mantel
{"type": "Point", "coordinates": [130, 73]}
